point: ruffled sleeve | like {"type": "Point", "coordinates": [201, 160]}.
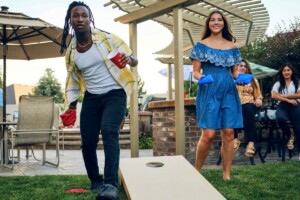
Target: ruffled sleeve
{"type": "Point", "coordinates": [224, 58]}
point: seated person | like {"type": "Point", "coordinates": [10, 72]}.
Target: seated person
{"type": "Point", "coordinates": [251, 99]}
{"type": "Point", "coordinates": [287, 91]}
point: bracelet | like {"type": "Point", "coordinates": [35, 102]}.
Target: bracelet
{"type": "Point", "coordinates": [72, 107]}
{"type": "Point", "coordinates": [260, 98]}
{"type": "Point", "coordinates": [131, 58]}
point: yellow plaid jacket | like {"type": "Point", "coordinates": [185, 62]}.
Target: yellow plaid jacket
{"type": "Point", "coordinates": [105, 42]}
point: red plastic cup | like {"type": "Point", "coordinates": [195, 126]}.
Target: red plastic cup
{"type": "Point", "coordinates": [115, 56]}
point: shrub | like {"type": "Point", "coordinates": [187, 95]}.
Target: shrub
{"type": "Point", "coordinates": [145, 142]}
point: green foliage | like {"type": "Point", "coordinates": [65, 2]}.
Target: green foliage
{"type": "Point", "coordinates": [274, 51]}
{"type": "Point", "coordinates": [141, 86]}
{"type": "Point", "coordinates": [190, 88]}
{"type": "Point", "coordinates": [145, 142]}
{"type": "Point", "coordinates": [48, 85]}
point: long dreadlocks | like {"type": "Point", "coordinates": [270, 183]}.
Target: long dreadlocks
{"type": "Point", "coordinates": [67, 22]}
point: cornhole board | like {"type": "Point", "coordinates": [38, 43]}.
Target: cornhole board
{"type": "Point", "coordinates": [164, 178]}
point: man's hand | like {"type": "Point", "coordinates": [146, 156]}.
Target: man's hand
{"type": "Point", "coordinates": [124, 59]}
{"type": "Point", "coordinates": [68, 118]}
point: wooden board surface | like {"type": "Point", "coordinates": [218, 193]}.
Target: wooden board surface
{"type": "Point", "coordinates": [177, 179]}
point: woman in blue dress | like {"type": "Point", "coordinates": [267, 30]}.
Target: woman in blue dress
{"type": "Point", "coordinates": [217, 104]}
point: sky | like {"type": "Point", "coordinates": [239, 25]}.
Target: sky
{"type": "Point", "coordinates": [151, 38]}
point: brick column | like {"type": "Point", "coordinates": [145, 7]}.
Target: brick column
{"type": "Point", "coordinates": [163, 124]}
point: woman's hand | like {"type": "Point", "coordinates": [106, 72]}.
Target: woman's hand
{"type": "Point", "coordinates": [258, 102]}
{"type": "Point", "coordinates": [292, 101]}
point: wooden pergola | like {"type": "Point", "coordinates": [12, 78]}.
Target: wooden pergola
{"type": "Point", "coordinates": [249, 20]}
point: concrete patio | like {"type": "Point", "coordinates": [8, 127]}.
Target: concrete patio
{"type": "Point", "coordinates": [71, 162]}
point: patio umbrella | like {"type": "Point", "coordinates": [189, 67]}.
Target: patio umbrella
{"type": "Point", "coordinates": [259, 71]}
{"type": "Point", "coordinates": [26, 38]}
{"type": "Point", "coordinates": [187, 72]}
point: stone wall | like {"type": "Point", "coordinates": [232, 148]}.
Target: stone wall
{"type": "Point", "coordinates": [164, 137]}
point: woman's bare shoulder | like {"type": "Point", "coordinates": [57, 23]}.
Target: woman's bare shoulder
{"type": "Point", "coordinates": [205, 41]}
{"type": "Point", "coordinates": [231, 45]}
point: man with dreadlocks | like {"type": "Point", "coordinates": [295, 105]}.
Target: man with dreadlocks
{"type": "Point", "coordinates": [104, 87]}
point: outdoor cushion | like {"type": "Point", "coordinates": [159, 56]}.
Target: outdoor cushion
{"type": "Point", "coordinates": [244, 78]}
{"type": "Point", "coordinates": [206, 79]}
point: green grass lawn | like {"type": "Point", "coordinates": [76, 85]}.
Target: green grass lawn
{"type": "Point", "coordinates": [275, 181]}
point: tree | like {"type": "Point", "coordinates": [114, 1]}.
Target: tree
{"type": "Point", "coordinates": [275, 51]}
{"type": "Point", "coordinates": [48, 85]}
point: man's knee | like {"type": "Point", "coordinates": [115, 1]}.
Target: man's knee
{"type": "Point", "coordinates": [110, 131]}
{"type": "Point", "coordinates": [88, 147]}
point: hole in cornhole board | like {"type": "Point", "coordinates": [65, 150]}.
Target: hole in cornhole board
{"type": "Point", "coordinates": [155, 164]}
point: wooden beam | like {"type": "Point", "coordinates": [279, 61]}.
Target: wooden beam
{"type": "Point", "coordinates": [170, 90]}
{"type": "Point", "coordinates": [179, 89]}
{"type": "Point", "coordinates": [229, 8]}
{"type": "Point", "coordinates": [134, 128]}
{"type": "Point", "coordinates": [171, 60]}
{"type": "Point", "coordinates": [168, 21]}
{"type": "Point", "coordinates": [239, 4]}
{"type": "Point", "coordinates": [153, 10]}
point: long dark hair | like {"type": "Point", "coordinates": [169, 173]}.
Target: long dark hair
{"type": "Point", "coordinates": [226, 32]}
{"type": "Point", "coordinates": [281, 79]}
{"type": "Point", "coordinates": [249, 71]}
{"type": "Point", "coordinates": [67, 22]}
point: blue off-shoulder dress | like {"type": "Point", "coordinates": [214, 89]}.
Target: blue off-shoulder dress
{"type": "Point", "coordinates": [218, 104]}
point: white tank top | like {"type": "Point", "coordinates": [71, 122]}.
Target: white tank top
{"type": "Point", "coordinates": [96, 75]}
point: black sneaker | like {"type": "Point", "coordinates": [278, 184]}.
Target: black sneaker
{"type": "Point", "coordinates": [96, 185]}
{"type": "Point", "coordinates": [108, 192]}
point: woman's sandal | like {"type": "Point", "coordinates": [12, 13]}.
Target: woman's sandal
{"type": "Point", "coordinates": [290, 144]}
{"type": "Point", "coordinates": [237, 143]}
{"type": "Point", "coordinates": [250, 151]}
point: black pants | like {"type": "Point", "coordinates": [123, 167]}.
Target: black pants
{"type": "Point", "coordinates": [102, 112]}
{"type": "Point", "coordinates": [285, 112]}
{"type": "Point", "coordinates": [249, 110]}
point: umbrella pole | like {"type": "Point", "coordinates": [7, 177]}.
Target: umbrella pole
{"type": "Point", "coordinates": [4, 84]}
{"type": "Point", "coordinates": [191, 81]}
{"type": "Point", "coordinates": [4, 71]}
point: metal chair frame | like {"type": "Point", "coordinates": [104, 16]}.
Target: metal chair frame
{"type": "Point", "coordinates": [37, 115]}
